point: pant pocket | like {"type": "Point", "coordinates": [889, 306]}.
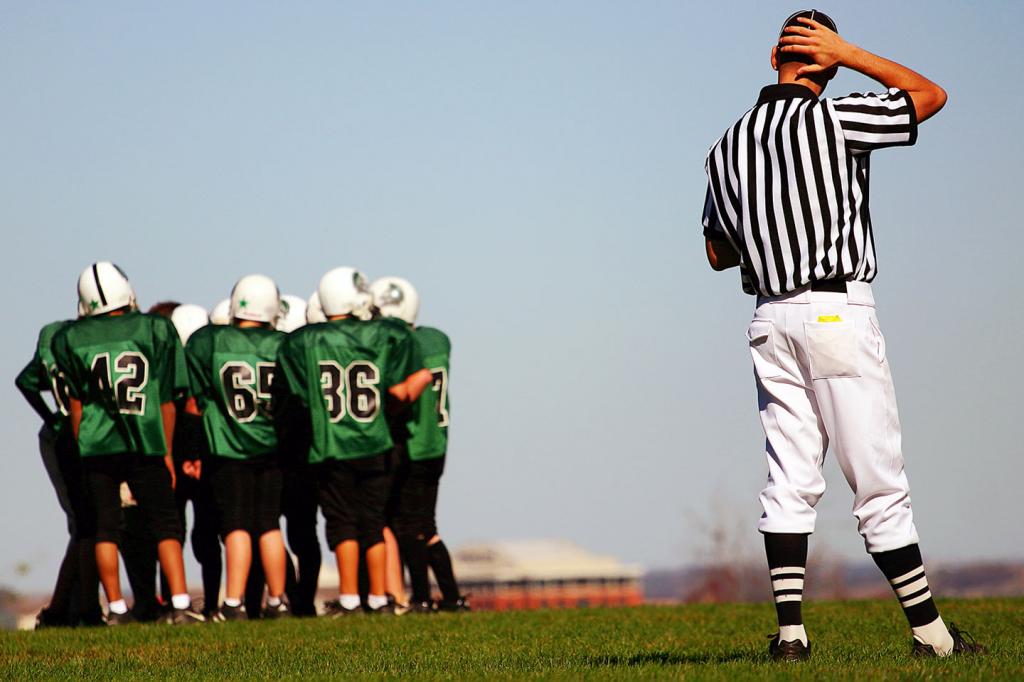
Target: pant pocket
{"type": "Point", "coordinates": [761, 337]}
{"type": "Point", "coordinates": [877, 340]}
{"type": "Point", "coordinates": [832, 348]}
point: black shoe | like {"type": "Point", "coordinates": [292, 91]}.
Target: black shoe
{"type": "Point", "coordinates": [334, 609]}
{"type": "Point", "coordinates": [282, 610]}
{"type": "Point", "coordinates": [459, 605]}
{"type": "Point", "coordinates": [963, 643]}
{"type": "Point", "coordinates": [425, 606]}
{"type": "Point", "coordinates": [386, 610]}
{"type": "Point", "coordinates": [91, 620]}
{"type": "Point", "coordinates": [232, 613]}
{"type": "Point", "coordinates": [120, 618]}
{"type": "Point", "coordinates": [47, 619]}
{"type": "Point", "coordinates": [791, 652]}
{"type": "Point", "coordinates": [184, 617]}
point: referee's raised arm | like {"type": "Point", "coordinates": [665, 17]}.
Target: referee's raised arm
{"type": "Point", "coordinates": [827, 50]}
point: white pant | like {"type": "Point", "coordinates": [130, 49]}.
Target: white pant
{"type": "Point", "coordinates": [822, 378]}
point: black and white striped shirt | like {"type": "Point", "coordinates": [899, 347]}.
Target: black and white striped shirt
{"type": "Point", "coordinates": [788, 184]}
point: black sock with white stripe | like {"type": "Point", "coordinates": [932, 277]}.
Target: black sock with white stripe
{"type": "Point", "coordinates": [787, 564]}
{"type": "Point", "coordinates": [904, 569]}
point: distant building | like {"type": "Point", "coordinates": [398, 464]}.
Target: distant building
{"type": "Point", "coordinates": [534, 574]}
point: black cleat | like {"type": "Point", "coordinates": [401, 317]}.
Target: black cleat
{"type": "Point", "coordinates": [120, 618]}
{"type": "Point", "coordinates": [334, 609]}
{"type": "Point", "coordinates": [460, 605]}
{"type": "Point", "coordinates": [227, 613]}
{"type": "Point", "coordinates": [183, 617]}
{"type": "Point", "coordinates": [91, 619]}
{"type": "Point", "coordinates": [426, 606]}
{"type": "Point", "coordinates": [282, 610]}
{"type": "Point", "coordinates": [790, 652]}
{"type": "Point", "coordinates": [963, 643]}
{"type": "Point", "coordinates": [46, 619]}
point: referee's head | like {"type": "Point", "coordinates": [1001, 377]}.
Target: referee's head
{"type": "Point", "coordinates": [787, 63]}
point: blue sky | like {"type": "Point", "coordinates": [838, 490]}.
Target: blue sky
{"type": "Point", "coordinates": [536, 169]}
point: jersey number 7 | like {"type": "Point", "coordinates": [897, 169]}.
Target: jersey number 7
{"type": "Point", "coordinates": [440, 387]}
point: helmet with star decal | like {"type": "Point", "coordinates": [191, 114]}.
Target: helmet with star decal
{"type": "Point", "coordinates": [255, 298]}
{"type": "Point", "coordinates": [102, 288]}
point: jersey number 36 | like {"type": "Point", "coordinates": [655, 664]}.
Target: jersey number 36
{"type": "Point", "coordinates": [351, 390]}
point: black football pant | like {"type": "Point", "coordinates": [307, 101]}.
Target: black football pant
{"type": "Point", "coordinates": [353, 495]}
{"type": "Point", "coordinates": [136, 530]}
{"type": "Point", "coordinates": [75, 598]}
{"type": "Point", "coordinates": [414, 503]}
{"type": "Point", "coordinates": [204, 539]}
{"type": "Point", "coordinates": [299, 504]}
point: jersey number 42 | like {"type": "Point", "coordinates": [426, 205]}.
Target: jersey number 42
{"type": "Point", "coordinates": [127, 389]}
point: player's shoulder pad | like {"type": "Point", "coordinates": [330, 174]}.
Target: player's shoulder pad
{"type": "Point", "coordinates": [300, 336]}
{"type": "Point", "coordinates": [434, 335]}
{"type": "Point", "coordinates": [50, 331]}
{"type": "Point", "coordinates": [395, 325]}
{"type": "Point", "coordinates": [162, 325]}
{"type": "Point", "coordinates": [61, 334]}
{"type": "Point", "coordinates": [202, 335]}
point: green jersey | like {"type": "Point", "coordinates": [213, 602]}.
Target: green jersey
{"type": "Point", "coordinates": [122, 368]}
{"type": "Point", "coordinates": [341, 371]}
{"type": "Point", "coordinates": [231, 370]}
{"type": "Point", "coordinates": [428, 423]}
{"type": "Point", "coordinates": [41, 373]}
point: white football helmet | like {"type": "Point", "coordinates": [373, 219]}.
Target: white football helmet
{"type": "Point", "coordinates": [221, 313]}
{"type": "Point", "coordinates": [255, 298]}
{"type": "Point", "coordinates": [292, 314]}
{"type": "Point", "coordinates": [344, 291]}
{"type": "Point", "coordinates": [103, 287]}
{"type": "Point", "coordinates": [396, 297]}
{"type": "Point", "coordinates": [314, 311]}
{"type": "Point", "coordinates": [188, 318]}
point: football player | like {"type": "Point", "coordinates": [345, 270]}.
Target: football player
{"type": "Point", "coordinates": [189, 450]}
{"type": "Point", "coordinates": [340, 372]}
{"type": "Point", "coordinates": [299, 500]}
{"type": "Point", "coordinates": [421, 457]}
{"type": "Point", "coordinates": [232, 369]}
{"type": "Point", "coordinates": [75, 597]}
{"type": "Point", "coordinates": [124, 369]}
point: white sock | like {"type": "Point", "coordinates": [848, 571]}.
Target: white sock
{"type": "Point", "coordinates": [273, 601]}
{"type": "Point", "coordinates": [791, 633]}
{"type": "Point", "coordinates": [349, 601]}
{"type": "Point", "coordinates": [232, 602]}
{"type": "Point", "coordinates": [375, 601]}
{"type": "Point", "coordinates": [935, 634]}
{"type": "Point", "coordinates": [181, 601]}
{"type": "Point", "coordinates": [118, 606]}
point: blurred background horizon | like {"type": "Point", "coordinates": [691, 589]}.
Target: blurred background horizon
{"type": "Point", "coordinates": [536, 170]}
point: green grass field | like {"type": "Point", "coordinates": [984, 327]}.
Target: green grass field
{"type": "Point", "coordinates": [850, 639]}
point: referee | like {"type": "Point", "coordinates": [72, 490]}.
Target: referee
{"type": "Point", "coordinates": [787, 202]}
